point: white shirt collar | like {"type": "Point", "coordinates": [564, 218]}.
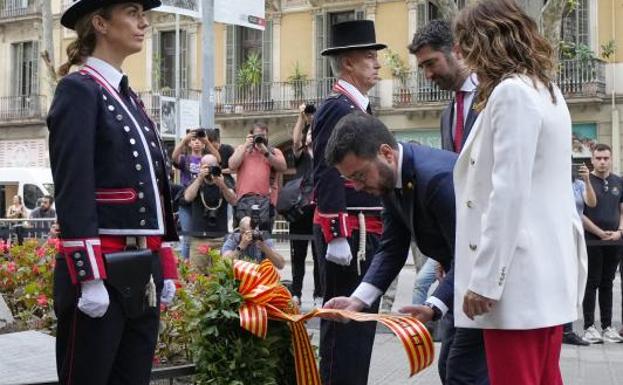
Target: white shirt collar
{"type": "Point", "coordinates": [399, 177]}
{"type": "Point", "coordinates": [470, 84]}
{"type": "Point", "coordinates": [110, 73]}
{"type": "Point", "coordinates": [360, 98]}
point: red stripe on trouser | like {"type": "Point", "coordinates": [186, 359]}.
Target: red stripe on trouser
{"type": "Point", "coordinates": [72, 346]}
{"type": "Point", "coordinates": [524, 357]}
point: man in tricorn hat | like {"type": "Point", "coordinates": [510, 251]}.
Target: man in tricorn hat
{"type": "Point", "coordinates": [346, 221]}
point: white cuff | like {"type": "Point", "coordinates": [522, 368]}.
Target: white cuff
{"type": "Point", "coordinates": [438, 304]}
{"type": "Point", "coordinates": [367, 293]}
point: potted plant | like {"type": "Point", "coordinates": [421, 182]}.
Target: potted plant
{"type": "Point", "coordinates": [250, 78]}
{"type": "Point", "coordinates": [297, 80]}
{"type": "Point", "coordinates": [400, 72]}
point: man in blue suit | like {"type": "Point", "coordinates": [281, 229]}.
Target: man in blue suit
{"type": "Point", "coordinates": [415, 183]}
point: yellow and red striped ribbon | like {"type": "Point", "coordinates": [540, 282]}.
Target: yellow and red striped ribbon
{"type": "Point", "coordinates": [265, 297]}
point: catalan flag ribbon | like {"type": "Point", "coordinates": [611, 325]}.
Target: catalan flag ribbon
{"type": "Point", "coordinates": [265, 297]}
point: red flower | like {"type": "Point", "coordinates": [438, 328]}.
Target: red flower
{"type": "Point", "coordinates": [11, 267]}
{"type": "Point", "coordinates": [192, 277]}
{"type": "Point", "coordinates": [55, 242]}
{"type": "Point", "coordinates": [156, 360]}
{"type": "Point", "coordinates": [42, 300]}
{"type": "Point", "coordinates": [40, 252]}
{"type": "Point", "coordinates": [204, 248]}
{"type": "Point", "coordinates": [35, 269]}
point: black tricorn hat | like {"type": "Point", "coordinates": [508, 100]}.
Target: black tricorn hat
{"type": "Point", "coordinates": [80, 8]}
{"type": "Point", "coordinates": [349, 35]}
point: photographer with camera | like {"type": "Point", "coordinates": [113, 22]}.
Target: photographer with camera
{"type": "Point", "coordinates": [251, 243]}
{"type": "Point", "coordinates": [258, 166]}
{"type": "Point", "coordinates": [186, 158]}
{"type": "Point", "coordinates": [208, 196]}
{"type": "Point", "coordinates": [300, 215]}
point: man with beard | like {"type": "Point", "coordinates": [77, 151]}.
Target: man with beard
{"type": "Point", "coordinates": [462, 356]}
{"type": "Point", "coordinates": [415, 183]}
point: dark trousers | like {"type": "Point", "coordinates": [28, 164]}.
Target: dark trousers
{"type": "Point", "coordinates": [462, 359]}
{"type": "Point", "coordinates": [602, 266]}
{"type": "Point", "coordinates": [111, 350]}
{"type": "Point", "coordinates": [345, 348]}
{"type": "Point", "coordinates": [298, 250]}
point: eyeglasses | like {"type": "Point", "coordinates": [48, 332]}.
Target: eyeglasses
{"type": "Point", "coordinates": [361, 175]}
{"type": "Point", "coordinates": [605, 185]}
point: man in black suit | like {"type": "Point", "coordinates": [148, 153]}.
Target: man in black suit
{"type": "Point", "coordinates": [461, 359]}
{"type": "Point", "coordinates": [415, 183]}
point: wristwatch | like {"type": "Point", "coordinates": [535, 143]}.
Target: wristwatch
{"type": "Point", "coordinates": [436, 311]}
{"type": "Point", "coordinates": [239, 249]}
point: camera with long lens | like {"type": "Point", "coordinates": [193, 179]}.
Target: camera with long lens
{"type": "Point", "coordinates": [309, 108]}
{"type": "Point", "coordinates": [260, 139]}
{"type": "Point", "coordinates": [255, 224]}
{"type": "Point", "coordinates": [199, 133]}
{"type": "Point", "coordinates": [257, 235]}
{"type": "Point", "coordinates": [215, 171]}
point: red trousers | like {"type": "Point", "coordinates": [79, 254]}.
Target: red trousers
{"type": "Point", "coordinates": [524, 357]}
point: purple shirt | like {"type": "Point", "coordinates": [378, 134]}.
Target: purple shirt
{"type": "Point", "coordinates": [189, 168]}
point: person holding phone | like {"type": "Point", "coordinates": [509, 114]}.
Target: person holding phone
{"type": "Point", "coordinates": [604, 222]}
{"type": "Point", "coordinates": [113, 199]}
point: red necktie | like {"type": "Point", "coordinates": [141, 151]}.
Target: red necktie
{"type": "Point", "coordinates": [458, 131]}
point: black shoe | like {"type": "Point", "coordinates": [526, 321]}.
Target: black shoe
{"type": "Point", "coordinates": [573, 339]}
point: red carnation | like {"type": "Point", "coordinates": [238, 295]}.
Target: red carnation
{"type": "Point", "coordinates": [204, 248]}
{"type": "Point", "coordinates": [42, 300]}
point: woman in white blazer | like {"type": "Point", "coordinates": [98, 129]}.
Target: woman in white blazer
{"type": "Point", "coordinates": [520, 253]}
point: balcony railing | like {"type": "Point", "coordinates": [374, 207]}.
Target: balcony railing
{"type": "Point", "coordinates": [17, 108]}
{"type": "Point", "coordinates": [274, 96]}
{"type": "Point", "coordinates": [576, 78]}
{"type": "Point", "coordinates": [18, 8]}
{"type": "Point", "coordinates": [151, 99]}
{"type": "Point", "coordinates": [582, 78]}
{"type": "Point", "coordinates": [415, 89]}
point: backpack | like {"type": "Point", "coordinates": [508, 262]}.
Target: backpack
{"type": "Point", "coordinates": [294, 197]}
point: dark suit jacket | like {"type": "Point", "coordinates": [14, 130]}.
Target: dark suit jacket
{"type": "Point", "coordinates": [427, 212]}
{"type": "Point", "coordinates": [447, 143]}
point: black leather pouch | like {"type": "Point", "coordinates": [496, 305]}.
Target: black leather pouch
{"type": "Point", "coordinates": [130, 274]}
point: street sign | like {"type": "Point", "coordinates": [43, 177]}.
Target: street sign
{"type": "Point", "coordinates": [190, 8]}
{"type": "Point", "coordinates": [247, 13]}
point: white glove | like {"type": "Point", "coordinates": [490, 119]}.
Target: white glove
{"type": "Point", "coordinates": [338, 252]}
{"type": "Point", "coordinates": [168, 292]}
{"type": "Point", "coordinates": [94, 300]}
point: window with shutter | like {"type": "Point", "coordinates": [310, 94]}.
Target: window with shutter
{"type": "Point", "coordinates": [26, 68]}
{"type": "Point", "coordinates": [231, 63]}
{"type": "Point", "coordinates": [575, 24]}
{"type": "Point", "coordinates": [267, 52]}
{"type": "Point", "coordinates": [166, 59]}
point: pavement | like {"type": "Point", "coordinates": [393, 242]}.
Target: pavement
{"type": "Point", "coordinates": [585, 365]}
{"type": "Point", "coordinates": [28, 357]}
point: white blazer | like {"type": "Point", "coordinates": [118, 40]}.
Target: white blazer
{"type": "Point", "coordinates": [519, 239]}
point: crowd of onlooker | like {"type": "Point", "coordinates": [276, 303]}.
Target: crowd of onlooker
{"type": "Point", "coordinates": [228, 198]}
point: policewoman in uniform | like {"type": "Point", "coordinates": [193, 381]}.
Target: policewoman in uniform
{"type": "Point", "coordinates": [345, 221]}
{"type": "Point", "coordinates": [113, 203]}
